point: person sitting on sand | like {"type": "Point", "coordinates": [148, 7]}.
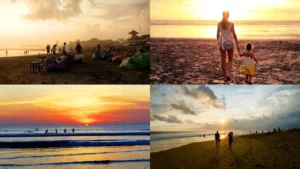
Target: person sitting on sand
{"type": "Point", "coordinates": [98, 54]}
{"type": "Point", "coordinates": [78, 48]}
{"type": "Point", "coordinates": [226, 36]}
{"type": "Point", "coordinates": [230, 138]}
{"type": "Point", "coordinates": [248, 63]}
{"type": "Point", "coordinates": [217, 138]}
{"type": "Point", "coordinates": [61, 58]}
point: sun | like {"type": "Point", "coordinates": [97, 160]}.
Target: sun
{"type": "Point", "coordinates": [222, 121]}
{"type": "Point", "coordinates": [86, 124]}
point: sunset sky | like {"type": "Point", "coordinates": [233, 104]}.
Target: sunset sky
{"type": "Point", "coordinates": [74, 105]}
{"type": "Point", "coordinates": [39, 22]}
{"type": "Point", "coordinates": [177, 108]}
{"type": "Point", "coordinates": [212, 9]}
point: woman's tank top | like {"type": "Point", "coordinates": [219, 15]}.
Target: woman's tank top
{"type": "Point", "coordinates": [226, 38]}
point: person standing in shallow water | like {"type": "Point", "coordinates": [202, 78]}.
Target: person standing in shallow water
{"type": "Point", "coordinates": [226, 36]}
{"type": "Point", "coordinates": [217, 138]}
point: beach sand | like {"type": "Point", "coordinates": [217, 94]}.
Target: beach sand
{"type": "Point", "coordinates": [197, 61]}
{"type": "Point", "coordinates": [274, 151]}
{"type": "Point", "coordinates": [15, 70]}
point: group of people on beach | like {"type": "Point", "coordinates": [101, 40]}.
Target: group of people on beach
{"type": "Point", "coordinates": [65, 131]}
{"type": "Point", "coordinates": [218, 138]}
{"type": "Point", "coordinates": [226, 36]}
{"type": "Point", "coordinates": [53, 57]}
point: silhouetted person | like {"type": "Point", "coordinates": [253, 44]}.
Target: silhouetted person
{"type": "Point", "coordinates": [6, 52]}
{"type": "Point", "coordinates": [278, 129]}
{"type": "Point", "coordinates": [204, 135]}
{"type": "Point", "coordinates": [55, 130]}
{"type": "Point", "coordinates": [64, 48]}
{"type": "Point", "coordinates": [274, 130]}
{"type": "Point", "coordinates": [48, 49]}
{"type": "Point", "coordinates": [65, 130]}
{"type": "Point", "coordinates": [46, 131]}
{"type": "Point", "coordinates": [73, 130]}
{"type": "Point", "coordinates": [217, 138]}
{"type": "Point", "coordinates": [230, 138]}
{"type": "Point", "coordinates": [78, 48]}
{"type": "Point", "coordinates": [36, 129]}
{"type": "Point", "coordinates": [256, 132]}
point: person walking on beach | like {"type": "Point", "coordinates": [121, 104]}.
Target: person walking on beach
{"type": "Point", "coordinates": [226, 36]}
{"type": "Point", "coordinates": [65, 130]}
{"type": "Point", "coordinates": [248, 63]}
{"type": "Point", "coordinates": [73, 130]}
{"type": "Point", "coordinates": [230, 138]}
{"type": "Point", "coordinates": [55, 130]}
{"type": "Point", "coordinates": [46, 131]}
{"type": "Point", "coordinates": [217, 138]}
{"type": "Point", "coordinates": [78, 48]}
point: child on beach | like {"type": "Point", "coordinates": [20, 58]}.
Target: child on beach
{"type": "Point", "coordinates": [248, 62]}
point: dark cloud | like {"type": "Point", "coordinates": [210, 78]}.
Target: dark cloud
{"type": "Point", "coordinates": [161, 108]}
{"type": "Point", "coordinates": [183, 107]}
{"type": "Point", "coordinates": [191, 122]}
{"type": "Point", "coordinates": [169, 119]}
{"type": "Point", "coordinates": [204, 92]}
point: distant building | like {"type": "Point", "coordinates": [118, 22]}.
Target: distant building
{"type": "Point", "coordinates": [134, 35]}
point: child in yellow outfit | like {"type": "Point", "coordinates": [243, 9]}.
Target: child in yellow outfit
{"type": "Point", "coordinates": [248, 63]}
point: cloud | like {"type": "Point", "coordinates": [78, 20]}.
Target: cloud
{"type": "Point", "coordinates": [161, 108]}
{"type": "Point", "coordinates": [205, 94]}
{"type": "Point", "coordinates": [169, 119]}
{"type": "Point", "coordinates": [54, 9]}
{"type": "Point", "coordinates": [183, 107]}
{"type": "Point", "coordinates": [191, 122]}
{"type": "Point", "coordinates": [281, 97]}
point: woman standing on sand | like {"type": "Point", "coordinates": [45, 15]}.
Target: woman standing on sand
{"type": "Point", "coordinates": [225, 36]}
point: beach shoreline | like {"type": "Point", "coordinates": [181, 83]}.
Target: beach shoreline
{"type": "Point", "coordinates": [197, 61]}
{"type": "Point", "coordinates": [15, 70]}
{"type": "Point", "coordinates": [275, 150]}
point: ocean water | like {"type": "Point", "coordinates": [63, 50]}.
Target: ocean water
{"type": "Point", "coordinates": [11, 53]}
{"type": "Point", "coordinates": [272, 30]}
{"type": "Point", "coordinates": [167, 140]}
{"type": "Point", "coordinates": [117, 146]}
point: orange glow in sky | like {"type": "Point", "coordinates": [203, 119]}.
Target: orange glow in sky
{"type": "Point", "coordinates": [74, 105]}
{"type": "Point", "coordinates": [212, 9]}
